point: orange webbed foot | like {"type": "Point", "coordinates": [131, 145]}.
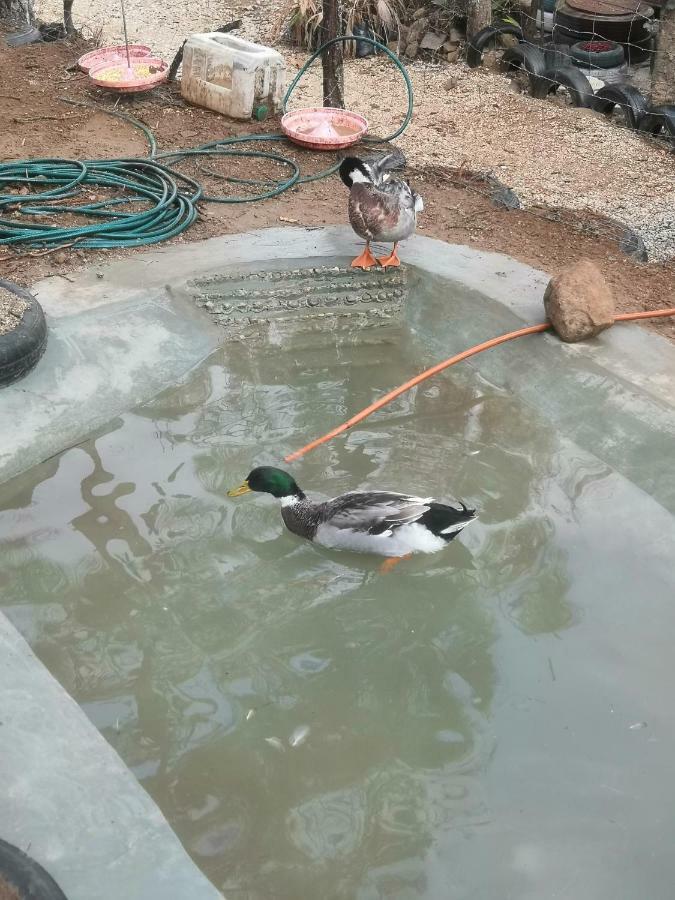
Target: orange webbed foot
{"type": "Point", "coordinates": [365, 261]}
{"type": "Point", "coordinates": [391, 260]}
{"type": "Point", "coordinates": [389, 564]}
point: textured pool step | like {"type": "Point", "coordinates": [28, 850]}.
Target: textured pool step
{"type": "Point", "coordinates": [296, 295]}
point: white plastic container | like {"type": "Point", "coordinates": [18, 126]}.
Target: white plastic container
{"type": "Point", "coordinates": [232, 76]}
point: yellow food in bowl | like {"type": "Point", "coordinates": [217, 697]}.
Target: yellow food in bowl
{"type": "Point", "coordinates": [121, 73]}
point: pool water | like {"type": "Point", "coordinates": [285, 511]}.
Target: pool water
{"type": "Point", "coordinates": [494, 721]}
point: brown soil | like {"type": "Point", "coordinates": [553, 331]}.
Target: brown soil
{"type": "Point", "coordinates": [457, 209]}
{"type": "Point", "coordinates": [7, 892]}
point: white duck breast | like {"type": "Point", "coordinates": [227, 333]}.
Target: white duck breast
{"type": "Point", "coordinates": [406, 539]}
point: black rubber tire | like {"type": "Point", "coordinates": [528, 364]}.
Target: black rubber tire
{"type": "Point", "coordinates": [21, 349]}
{"type": "Point", "coordinates": [571, 26]}
{"type": "Point", "coordinates": [598, 59]}
{"type": "Point", "coordinates": [577, 84]}
{"type": "Point", "coordinates": [477, 44]}
{"type": "Point", "coordinates": [528, 59]}
{"type": "Point", "coordinates": [630, 101]}
{"type": "Point", "coordinates": [660, 121]}
{"type": "Point", "coordinates": [27, 876]}
{"type": "Point", "coordinates": [555, 54]}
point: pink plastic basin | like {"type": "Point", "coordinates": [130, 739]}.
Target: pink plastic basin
{"type": "Point", "coordinates": [146, 73]}
{"type": "Point", "coordinates": [323, 127]}
{"type": "Point", "coordinates": [111, 55]}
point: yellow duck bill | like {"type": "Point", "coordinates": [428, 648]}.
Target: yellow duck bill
{"type": "Point", "coordinates": [237, 492]}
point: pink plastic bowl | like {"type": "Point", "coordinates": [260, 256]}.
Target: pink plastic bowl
{"type": "Point", "coordinates": [137, 82]}
{"type": "Point", "coordinates": [111, 55]}
{"type": "Point", "coordinates": [324, 128]}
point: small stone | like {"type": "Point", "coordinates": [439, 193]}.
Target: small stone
{"type": "Point", "coordinates": [432, 41]}
{"type": "Point", "coordinates": [453, 55]}
{"type": "Point", "coordinates": [417, 30]}
{"type": "Point", "coordinates": [455, 36]}
{"type": "Point", "coordinates": [450, 84]}
{"type": "Point", "coordinates": [412, 49]}
{"type": "Point", "coordinates": [508, 40]}
{"type": "Point", "coordinates": [579, 302]}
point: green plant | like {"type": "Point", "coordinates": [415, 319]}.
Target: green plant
{"type": "Point", "coordinates": [304, 18]}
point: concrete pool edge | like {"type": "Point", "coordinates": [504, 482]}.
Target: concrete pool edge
{"type": "Point", "coordinates": [130, 299]}
{"type": "Point", "coordinates": [71, 803]}
{"type": "Point", "coordinates": [119, 334]}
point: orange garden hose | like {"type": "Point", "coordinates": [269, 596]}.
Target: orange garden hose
{"type": "Point", "coordinates": [459, 357]}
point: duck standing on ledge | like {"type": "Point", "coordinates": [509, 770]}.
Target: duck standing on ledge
{"type": "Point", "coordinates": [381, 206]}
{"type": "Point", "coordinates": [380, 522]}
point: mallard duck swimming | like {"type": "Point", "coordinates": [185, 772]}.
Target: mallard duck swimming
{"type": "Point", "coordinates": [381, 522]}
{"type": "Point", "coordinates": [381, 207]}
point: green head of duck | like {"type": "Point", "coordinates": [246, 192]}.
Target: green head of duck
{"type": "Point", "coordinates": [268, 480]}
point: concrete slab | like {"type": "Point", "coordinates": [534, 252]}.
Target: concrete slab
{"type": "Point", "coordinates": [111, 841]}
{"type": "Point", "coordinates": [98, 363]}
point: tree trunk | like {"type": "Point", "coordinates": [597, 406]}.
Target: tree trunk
{"type": "Point", "coordinates": [478, 15]}
{"type": "Point", "coordinates": [331, 59]}
{"type": "Point", "coordinates": [17, 12]}
{"type": "Point", "coordinates": [663, 73]}
{"type": "Point", "coordinates": [528, 20]}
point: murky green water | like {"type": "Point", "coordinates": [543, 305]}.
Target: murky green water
{"type": "Point", "coordinates": [491, 722]}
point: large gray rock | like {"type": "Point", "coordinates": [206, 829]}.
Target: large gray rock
{"type": "Point", "coordinates": [579, 302]}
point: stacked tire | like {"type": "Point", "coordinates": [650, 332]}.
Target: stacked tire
{"type": "Point", "coordinates": [624, 99]}
{"type": "Point", "coordinates": [486, 38]}
{"type": "Point", "coordinates": [21, 348]}
{"type": "Point", "coordinates": [659, 122]}
{"type": "Point", "coordinates": [558, 66]}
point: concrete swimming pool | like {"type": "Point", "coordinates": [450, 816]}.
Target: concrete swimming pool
{"type": "Point", "coordinates": [491, 721]}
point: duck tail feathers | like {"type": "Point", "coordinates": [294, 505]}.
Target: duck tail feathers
{"type": "Point", "coordinates": [373, 169]}
{"type": "Point", "coordinates": [388, 162]}
{"type": "Point", "coordinates": [446, 521]}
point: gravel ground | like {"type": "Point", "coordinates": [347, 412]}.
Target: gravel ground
{"type": "Point", "coordinates": [550, 154]}
{"type": "Point", "coordinates": [12, 309]}
{"type": "Point", "coordinates": [162, 25]}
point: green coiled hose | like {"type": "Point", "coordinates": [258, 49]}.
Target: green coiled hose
{"type": "Point", "coordinates": [168, 196]}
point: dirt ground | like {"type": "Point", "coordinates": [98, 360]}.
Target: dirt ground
{"type": "Point", "coordinates": [458, 208]}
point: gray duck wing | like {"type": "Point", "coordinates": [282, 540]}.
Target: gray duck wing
{"type": "Point", "coordinates": [373, 512]}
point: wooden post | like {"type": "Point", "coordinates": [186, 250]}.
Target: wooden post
{"type": "Point", "coordinates": [17, 12]}
{"type": "Point", "coordinates": [529, 21]}
{"type": "Point", "coordinates": [663, 73]}
{"type": "Point", "coordinates": [331, 59]}
{"type": "Point", "coordinates": [478, 15]}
